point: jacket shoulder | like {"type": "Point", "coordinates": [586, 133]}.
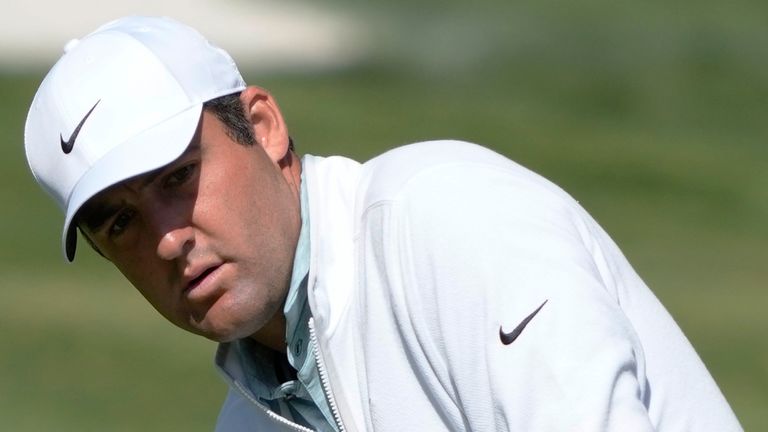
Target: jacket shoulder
{"type": "Point", "coordinates": [389, 175]}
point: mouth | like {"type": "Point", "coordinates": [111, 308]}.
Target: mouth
{"type": "Point", "coordinates": [200, 279]}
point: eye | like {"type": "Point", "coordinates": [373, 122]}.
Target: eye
{"type": "Point", "coordinates": [121, 222]}
{"type": "Point", "coordinates": [180, 176]}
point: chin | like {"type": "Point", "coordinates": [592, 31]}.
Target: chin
{"type": "Point", "coordinates": [226, 328]}
{"type": "Point", "coordinates": [231, 318]}
{"type": "Point", "coordinates": [222, 338]}
{"type": "Point", "coordinates": [221, 332]}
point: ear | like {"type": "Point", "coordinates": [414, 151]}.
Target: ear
{"type": "Point", "coordinates": [267, 122]}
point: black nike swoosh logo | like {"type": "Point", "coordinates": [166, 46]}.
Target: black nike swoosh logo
{"type": "Point", "coordinates": [68, 145]}
{"type": "Point", "coordinates": [508, 338]}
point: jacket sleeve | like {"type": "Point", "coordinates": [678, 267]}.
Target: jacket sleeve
{"type": "Point", "coordinates": [462, 251]}
{"type": "Point", "coordinates": [466, 253]}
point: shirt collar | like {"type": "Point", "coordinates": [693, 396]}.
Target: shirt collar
{"type": "Point", "coordinates": [296, 307]}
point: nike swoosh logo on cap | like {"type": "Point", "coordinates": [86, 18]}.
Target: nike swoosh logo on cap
{"type": "Point", "coordinates": [508, 338]}
{"type": "Point", "coordinates": [68, 145]}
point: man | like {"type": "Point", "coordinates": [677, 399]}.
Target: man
{"type": "Point", "coordinates": [438, 286]}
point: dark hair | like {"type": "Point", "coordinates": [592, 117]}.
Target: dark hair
{"type": "Point", "coordinates": [229, 110]}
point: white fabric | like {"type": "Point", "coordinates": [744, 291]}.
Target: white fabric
{"type": "Point", "coordinates": [421, 255]}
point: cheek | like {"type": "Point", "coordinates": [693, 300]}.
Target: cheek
{"type": "Point", "coordinates": [237, 210]}
{"type": "Point", "coordinates": [152, 280]}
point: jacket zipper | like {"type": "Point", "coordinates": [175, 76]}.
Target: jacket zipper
{"type": "Point", "coordinates": [270, 414]}
{"type": "Point", "coordinates": [324, 380]}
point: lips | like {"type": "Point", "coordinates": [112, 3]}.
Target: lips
{"type": "Point", "coordinates": [196, 281]}
{"type": "Point", "coordinates": [201, 281]}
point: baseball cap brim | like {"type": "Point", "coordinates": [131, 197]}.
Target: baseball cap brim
{"type": "Point", "coordinates": [146, 151]}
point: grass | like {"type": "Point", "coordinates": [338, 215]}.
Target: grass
{"type": "Point", "coordinates": [649, 114]}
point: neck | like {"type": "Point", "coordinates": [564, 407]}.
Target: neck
{"type": "Point", "coordinates": [272, 335]}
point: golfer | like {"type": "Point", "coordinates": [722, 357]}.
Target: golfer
{"type": "Point", "coordinates": [438, 286]}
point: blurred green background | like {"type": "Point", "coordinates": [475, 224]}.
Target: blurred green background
{"type": "Point", "coordinates": [652, 114]}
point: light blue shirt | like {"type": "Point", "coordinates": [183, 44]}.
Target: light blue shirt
{"type": "Point", "coordinates": [299, 346]}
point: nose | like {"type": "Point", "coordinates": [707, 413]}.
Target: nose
{"type": "Point", "coordinates": [175, 243]}
{"type": "Point", "coordinates": [172, 226]}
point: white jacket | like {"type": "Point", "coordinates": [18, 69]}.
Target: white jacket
{"type": "Point", "coordinates": [422, 257]}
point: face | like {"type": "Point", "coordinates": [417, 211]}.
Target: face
{"type": "Point", "coordinates": [209, 239]}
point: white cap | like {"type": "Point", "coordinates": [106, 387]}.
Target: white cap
{"type": "Point", "coordinates": [124, 100]}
